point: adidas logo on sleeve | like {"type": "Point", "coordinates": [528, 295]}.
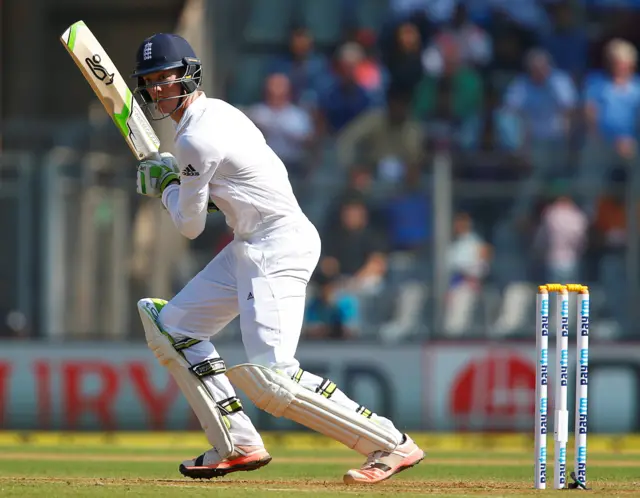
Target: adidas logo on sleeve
{"type": "Point", "coordinates": [190, 171]}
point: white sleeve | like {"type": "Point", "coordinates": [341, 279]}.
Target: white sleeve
{"type": "Point", "coordinates": [187, 202]}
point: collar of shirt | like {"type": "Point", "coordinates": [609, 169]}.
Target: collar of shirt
{"type": "Point", "coordinates": [195, 108]}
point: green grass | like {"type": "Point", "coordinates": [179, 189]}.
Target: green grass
{"type": "Point", "coordinates": [53, 471]}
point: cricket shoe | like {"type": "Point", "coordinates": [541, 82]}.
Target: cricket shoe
{"type": "Point", "coordinates": [209, 464]}
{"type": "Point", "coordinates": [381, 465]}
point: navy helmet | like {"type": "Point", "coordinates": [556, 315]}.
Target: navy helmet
{"type": "Point", "coordinates": [162, 52]}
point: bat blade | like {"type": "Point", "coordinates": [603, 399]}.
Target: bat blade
{"type": "Point", "coordinates": [110, 87]}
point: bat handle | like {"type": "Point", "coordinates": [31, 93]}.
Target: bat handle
{"type": "Point", "coordinates": [154, 156]}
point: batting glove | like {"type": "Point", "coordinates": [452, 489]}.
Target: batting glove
{"type": "Point", "coordinates": [154, 176]}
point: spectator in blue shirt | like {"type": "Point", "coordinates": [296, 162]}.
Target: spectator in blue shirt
{"type": "Point", "coordinates": [331, 314]}
{"type": "Point", "coordinates": [409, 215]}
{"type": "Point", "coordinates": [544, 99]}
{"type": "Point", "coordinates": [344, 98]}
{"type": "Point", "coordinates": [612, 103]}
{"type": "Point", "coordinates": [307, 70]}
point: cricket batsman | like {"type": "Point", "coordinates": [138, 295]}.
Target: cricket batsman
{"type": "Point", "coordinates": [223, 163]}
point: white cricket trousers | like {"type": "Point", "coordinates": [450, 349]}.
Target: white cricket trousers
{"type": "Point", "coordinates": [264, 280]}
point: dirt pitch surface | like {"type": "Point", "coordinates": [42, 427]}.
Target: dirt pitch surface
{"type": "Point", "coordinates": [87, 472]}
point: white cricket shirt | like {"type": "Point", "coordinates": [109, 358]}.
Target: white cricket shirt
{"type": "Point", "coordinates": [224, 156]}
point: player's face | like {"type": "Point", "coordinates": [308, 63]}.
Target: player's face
{"type": "Point", "coordinates": [163, 91]}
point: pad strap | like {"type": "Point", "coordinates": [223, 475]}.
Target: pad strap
{"type": "Point", "coordinates": [297, 376]}
{"type": "Point", "coordinates": [230, 405]}
{"type": "Point", "coordinates": [365, 412]}
{"type": "Point", "coordinates": [326, 388]}
{"type": "Point", "coordinates": [212, 366]}
{"type": "Point", "coordinates": [183, 344]}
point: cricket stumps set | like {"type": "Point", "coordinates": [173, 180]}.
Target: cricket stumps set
{"type": "Point", "coordinates": [561, 375]}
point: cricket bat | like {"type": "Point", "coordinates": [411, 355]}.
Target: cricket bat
{"type": "Point", "coordinates": [112, 90]}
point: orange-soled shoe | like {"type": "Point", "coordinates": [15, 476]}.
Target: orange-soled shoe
{"type": "Point", "coordinates": [209, 464]}
{"type": "Point", "coordinates": [381, 465]}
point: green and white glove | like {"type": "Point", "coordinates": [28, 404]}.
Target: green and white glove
{"type": "Point", "coordinates": [155, 176]}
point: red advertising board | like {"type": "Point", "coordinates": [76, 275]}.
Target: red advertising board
{"type": "Point", "coordinates": [444, 386]}
{"type": "Point", "coordinates": [121, 386]}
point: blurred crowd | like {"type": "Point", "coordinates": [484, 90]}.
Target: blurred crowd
{"type": "Point", "coordinates": [534, 102]}
{"type": "Point", "coordinates": [530, 105]}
